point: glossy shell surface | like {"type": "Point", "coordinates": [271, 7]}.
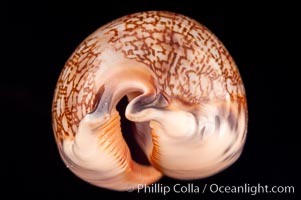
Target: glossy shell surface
{"type": "Point", "coordinates": [186, 100]}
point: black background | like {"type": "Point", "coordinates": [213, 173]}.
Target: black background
{"type": "Point", "coordinates": [262, 39]}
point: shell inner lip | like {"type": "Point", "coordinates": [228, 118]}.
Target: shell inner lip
{"type": "Point", "coordinates": [128, 129]}
{"type": "Point", "coordinates": [137, 100]}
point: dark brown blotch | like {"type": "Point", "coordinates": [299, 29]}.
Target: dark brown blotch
{"type": "Point", "coordinates": [232, 120]}
{"type": "Point", "coordinates": [217, 123]}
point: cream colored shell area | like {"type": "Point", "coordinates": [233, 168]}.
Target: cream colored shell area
{"type": "Point", "coordinates": [185, 93]}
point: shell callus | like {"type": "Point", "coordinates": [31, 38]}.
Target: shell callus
{"type": "Point", "coordinates": [186, 99]}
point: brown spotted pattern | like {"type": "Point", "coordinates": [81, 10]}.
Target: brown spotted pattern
{"type": "Point", "coordinates": [190, 63]}
{"type": "Point", "coordinates": [75, 92]}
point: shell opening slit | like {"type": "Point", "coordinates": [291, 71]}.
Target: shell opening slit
{"type": "Point", "coordinates": [185, 97]}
